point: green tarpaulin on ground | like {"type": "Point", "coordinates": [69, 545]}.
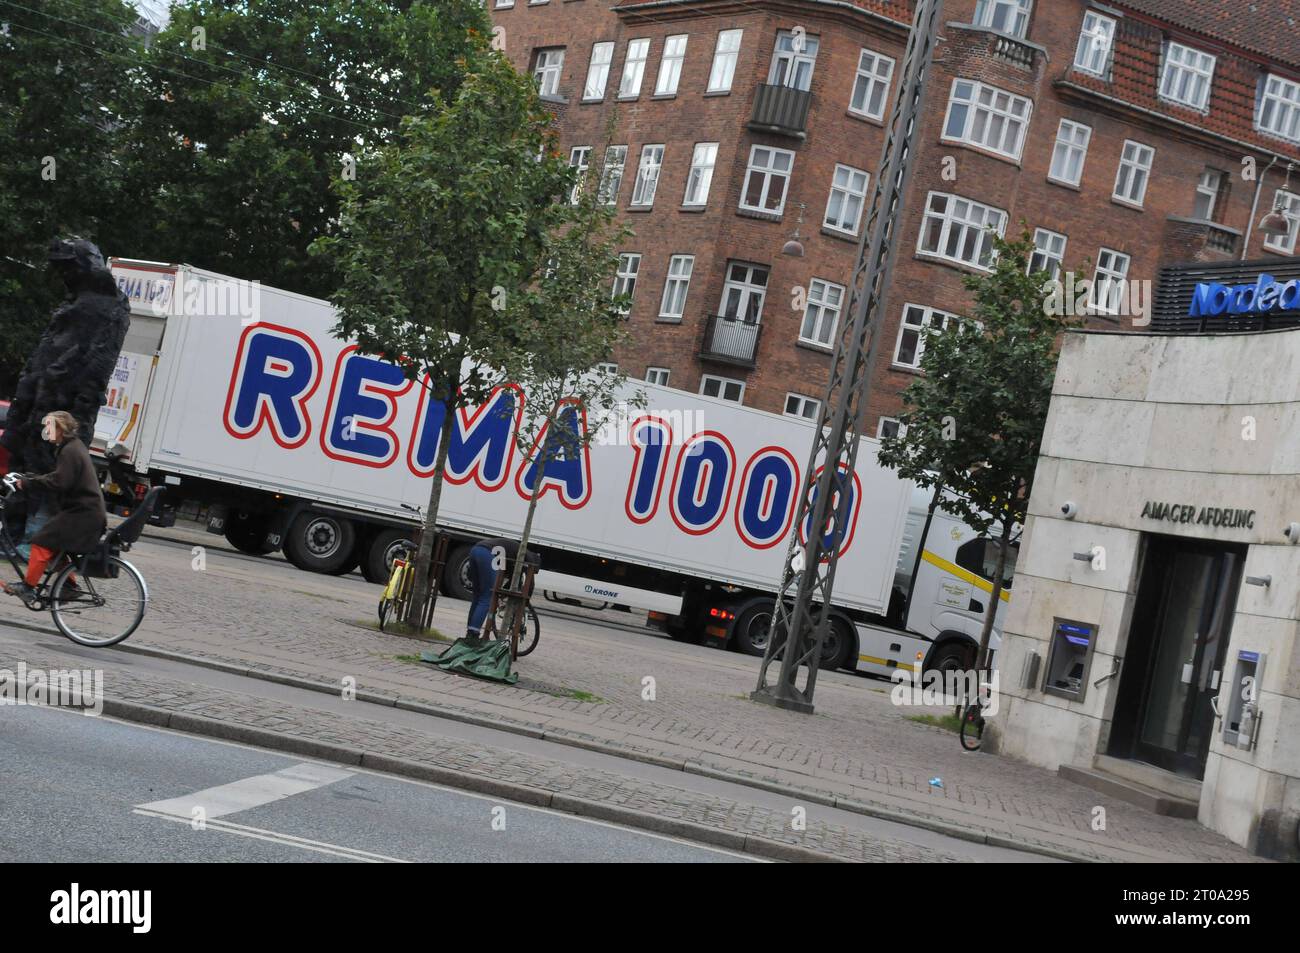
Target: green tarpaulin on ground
{"type": "Point", "coordinates": [481, 658]}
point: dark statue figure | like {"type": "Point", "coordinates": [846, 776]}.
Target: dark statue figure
{"type": "Point", "coordinates": [75, 358]}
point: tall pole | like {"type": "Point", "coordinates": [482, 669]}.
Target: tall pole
{"type": "Point", "coordinates": [804, 602]}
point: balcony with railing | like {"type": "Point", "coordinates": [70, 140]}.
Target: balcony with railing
{"type": "Point", "coordinates": [731, 340]}
{"type": "Point", "coordinates": [780, 109]}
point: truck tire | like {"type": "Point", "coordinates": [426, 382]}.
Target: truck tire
{"type": "Point", "coordinates": [753, 627]}
{"type": "Point", "coordinates": [247, 533]}
{"type": "Point", "coordinates": [838, 644]}
{"type": "Point", "coordinates": [320, 542]}
{"type": "Point", "coordinates": [456, 580]}
{"type": "Point", "coordinates": [956, 654]}
{"type": "Point", "coordinates": [377, 562]}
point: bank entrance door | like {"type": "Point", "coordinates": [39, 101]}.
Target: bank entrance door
{"type": "Point", "coordinates": [1176, 649]}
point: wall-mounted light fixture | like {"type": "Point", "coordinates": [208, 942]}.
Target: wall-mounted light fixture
{"type": "Point", "coordinates": [1264, 581]}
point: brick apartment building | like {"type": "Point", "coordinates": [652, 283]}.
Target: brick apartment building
{"type": "Point", "coordinates": [1122, 135]}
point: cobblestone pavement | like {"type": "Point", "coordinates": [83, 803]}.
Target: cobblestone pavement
{"type": "Point", "coordinates": [498, 766]}
{"type": "Point", "coordinates": [586, 683]}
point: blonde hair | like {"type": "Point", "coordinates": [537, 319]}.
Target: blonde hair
{"type": "Point", "coordinates": [65, 423]}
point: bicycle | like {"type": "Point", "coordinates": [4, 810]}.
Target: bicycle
{"type": "Point", "coordinates": [97, 599]}
{"type": "Point", "coordinates": [972, 723]}
{"type": "Point", "coordinates": [530, 630]}
{"type": "Point", "coordinates": [401, 576]}
{"type": "Point", "coordinates": [972, 726]}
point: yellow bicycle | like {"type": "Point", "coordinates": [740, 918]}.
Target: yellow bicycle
{"type": "Point", "coordinates": [398, 591]}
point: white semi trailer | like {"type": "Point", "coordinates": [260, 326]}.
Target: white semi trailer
{"type": "Point", "coordinates": [238, 398]}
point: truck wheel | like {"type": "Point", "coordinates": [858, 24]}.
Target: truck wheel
{"type": "Point", "coordinates": [837, 645]}
{"type": "Point", "coordinates": [955, 656]}
{"type": "Point", "coordinates": [247, 533]}
{"type": "Point", "coordinates": [378, 560]}
{"type": "Point", "coordinates": [752, 629]}
{"type": "Point", "coordinates": [320, 542]}
{"type": "Point", "coordinates": [456, 580]}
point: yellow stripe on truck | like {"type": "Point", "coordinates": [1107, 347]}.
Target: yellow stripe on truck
{"type": "Point", "coordinates": [885, 662]}
{"type": "Point", "coordinates": [963, 574]}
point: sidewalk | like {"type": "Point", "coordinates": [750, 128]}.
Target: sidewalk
{"type": "Point", "coordinates": [586, 686]}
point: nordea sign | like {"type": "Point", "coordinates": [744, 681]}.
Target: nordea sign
{"type": "Point", "coordinates": [1266, 294]}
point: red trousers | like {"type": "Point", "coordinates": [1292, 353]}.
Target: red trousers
{"type": "Point", "coordinates": [36, 565]}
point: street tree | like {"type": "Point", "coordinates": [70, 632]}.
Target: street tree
{"type": "Point", "coordinates": [563, 332]}
{"type": "Point", "coordinates": [246, 110]}
{"type": "Point", "coordinates": [438, 231]}
{"type": "Point", "coordinates": [63, 88]}
{"type": "Point", "coordinates": [974, 420]}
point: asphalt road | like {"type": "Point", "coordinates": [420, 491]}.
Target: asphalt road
{"type": "Point", "coordinates": [80, 789]}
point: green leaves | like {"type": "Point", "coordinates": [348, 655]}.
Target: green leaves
{"type": "Point", "coordinates": [975, 419]}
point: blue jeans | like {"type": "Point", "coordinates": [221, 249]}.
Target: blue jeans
{"type": "Point", "coordinates": [35, 521]}
{"type": "Point", "coordinates": [483, 575]}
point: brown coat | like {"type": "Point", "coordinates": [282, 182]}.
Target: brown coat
{"type": "Point", "coordinates": [80, 519]}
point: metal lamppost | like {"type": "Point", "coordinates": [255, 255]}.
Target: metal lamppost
{"type": "Point", "coordinates": [803, 604]}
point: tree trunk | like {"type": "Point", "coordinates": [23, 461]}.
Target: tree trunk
{"type": "Point", "coordinates": [424, 555]}
{"type": "Point", "coordinates": [991, 613]}
{"type": "Point", "coordinates": [517, 574]}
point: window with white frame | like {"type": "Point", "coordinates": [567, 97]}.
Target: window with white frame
{"type": "Point", "coordinates": [919, 322]}
{"type": "Point", "coordinates": [698, 180]}
{"type": "Point", "coordinates": [611, 173]}
{"type": "Point", "coordinates": [602, 55]}
{"type": "Point", "coordinates": [1207, 194]}
{"type": "Point", "coordinates": [607, 367]}
{"type": "Point", "coordinates": [1070, 152]}
{"type": "Point", "coordinates": [744, 291]}
{"type": "Point", "coordinates": [547, 70]}
{"type": "Point", "coordinates": [580, 162]}
{"type": "Point", "coordinates": [959, 229]}
{"type": "Point", "coordinates": [793, 60]}
{"type": "Point", "coordinates": [638, 51]}
{"type": "Point", "coordinates": [805, 408]}
{"type": "Point", "coordinates": [676, 286]}
{"type": "Point", "coordinates": [987, 117]}
{"type": "Point", "coordinates": [1134, 172]}
{"type": "Point", "coordinates": [504, 4]}
{"type": "Point", "coordinates": [629, 266]}
{"type": "Point", "coordinates": [1285, 244]}
{"type": "Point", "coordinates": [1108, 286]}
{"type": "Point", "coordinates": [1048, 254]}
{"type": "Point", "coordinates": [725, 54]}
{"type": "Point", "coordinates": [766, 179]}
{"type": "Point", "coordinates": [647, 175]}
{"type": "Point", "coordinates": [871, 85]}
{"type": "Point", "coordinates": [657, 375]}
{"type": "Point", "coordinates": [848, 196]}
{"type": "Point", "coordinates": [1005, 16]}
{"type": "Point", "coordinates": [725, 388]}
{"type": "Point", "coordinates": [821, 315]}
{"type": "Point", "coordinates": [1096, 41]}
{"type": "Point", "coordinates": [1187, 76]}
{"type": "Point", "coordinates": [890, 427]}
{"type": "Point", "coordinates": [1278, 112]}
{"type": "Point", "coordinates": [670, 66]}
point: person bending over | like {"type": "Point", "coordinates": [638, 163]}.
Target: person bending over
{"type": "Point", "coordinates": [79, 516]}
{"type": "Point", "coordinates": [486, 559]}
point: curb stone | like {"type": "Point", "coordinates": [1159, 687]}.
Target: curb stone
{"type": "Point", "coordinates": [675, 764]}
{"type": "Point", "coordinates": [463, 781]}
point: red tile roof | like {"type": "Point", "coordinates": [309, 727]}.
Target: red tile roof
{"type": "Point", "coordinates": [1135, 74]}
{"type": "Point", "coordinates": [1270, 28]}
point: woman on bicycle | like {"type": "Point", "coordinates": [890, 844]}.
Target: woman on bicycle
{"type": "Point", "coordinates": [80, 518]}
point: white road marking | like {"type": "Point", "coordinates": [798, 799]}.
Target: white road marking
{"type": "Point", "coordinates": [275, 837]}
{"type": "Point", "coordinates": [250, 792]}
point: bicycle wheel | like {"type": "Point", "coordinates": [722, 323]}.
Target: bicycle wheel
{"type": "Point", "coordinates": [384, 605]}
{"type": "Point", "coordinates": [529, 632]}
{"type": "Point", "coordinates": [99, 612]}
{"type": "Point", "coordinates": [972, 728]}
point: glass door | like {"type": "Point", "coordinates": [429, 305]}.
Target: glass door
{"type": "Point", "coordinates": [1190, 635]}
